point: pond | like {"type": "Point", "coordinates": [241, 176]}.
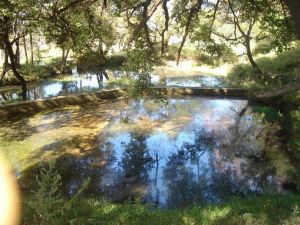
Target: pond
{"type": "Point", "coordinates": [95, 81]}
{"type": "Point", "coordinates": [193, 150]}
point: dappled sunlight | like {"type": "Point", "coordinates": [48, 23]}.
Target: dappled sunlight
{"type": "Point", "coordinates": [214, 214]}
{"type": "Point", "coordinates": [71, 130]}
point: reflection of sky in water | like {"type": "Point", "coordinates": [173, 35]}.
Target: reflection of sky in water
{"type": "Point", "coordinates": [72, 84]}
{"type": "Point", "coordinates": [181, 158]}
{"type": "Point", "coordinates": [52, 89]}
{"type": "Point", "coordinates": [89, 82]}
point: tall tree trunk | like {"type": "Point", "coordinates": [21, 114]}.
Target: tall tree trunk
{"type": "Point", "coordinates": [25, 49]}
{"type": "Point", "coordinates": [3, 96]}
{"type": "Point", "coordinates": [17, 55]}
{"type": "Point", "coordinates": [294, 7]}
{"type": "Point", "coordinates": [166, 12]}
{"type": "Point", "coordinates": [10, 52]}
{"type": "Point", "coordinates": [65, 54]}
{"type": "Point", "coordinates": [195, 8]}
{"type": "Point", "coordinates": [12, 58]}
{"type": "Point", "coordinates": [181, 45]}
{"type": "Point", "coordinates": [148, 39]}
{"type": "Point", "coordinates": [251, 59]}
{"type": "Point", "coordinates": [5, 66]}
{"type": "Point", "coordinates": [31, 47]}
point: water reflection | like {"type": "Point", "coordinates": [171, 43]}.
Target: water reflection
{"type": "Point", "coordinates": [201, 160]}
{"type": "Point", "coordinates": [98, 80]}
{"type": "Point", "coordinates": [194, 150]}
{"type": "Point", "coordinates": [197, 81]}
{"type": "Point", "coordinates": [75, 83]}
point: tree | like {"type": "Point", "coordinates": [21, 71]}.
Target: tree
{"type": "Point", "coordinates": [294, 7]}
{"type": "Point", "coordinates": [13, 28]}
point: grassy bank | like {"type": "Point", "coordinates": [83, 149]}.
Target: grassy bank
{"type": "Point", "coordinates": [260, 210]}
{"type": "Point", "coordinates": [278, 70]}
{"type": "Point", "coordinates": [32, 72]}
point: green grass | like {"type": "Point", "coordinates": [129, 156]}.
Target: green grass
{"type": "Point", "coordinates": [279, 70]}
{"type": "Point", "coordinates": [34, 72]}
{"type": "Point", "coordinates": [255, 209]}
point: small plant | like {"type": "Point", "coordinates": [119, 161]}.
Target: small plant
{"type": "Point", "coordinates": [47, 202]}
{"type": "Point", "coordinates": [49, 207]}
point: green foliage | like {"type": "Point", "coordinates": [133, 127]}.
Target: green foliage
{"type": "Point", "coordinates": [47, 202]}
{"type": "Point", "coordinates": [201, 57]}
{"type": "Point", "coordinates": [46, 206]}
{"type": "Point", "coordinates": [31, 73]}
{"type": "Point", "coordinates": [276, 27]}
{"type": "Point", "coordinates": [279, 70]}
{"type": "Point", "coordinates": [256, 209]}
{"type": "Point", "coordinates": [269, 113]}
{"type": "Point", "coordinates": [90, 60]}
{"type": "Point", "coordinates": [38, 71]}
{"type": "Point", "coordinates": [262, 47]}
{"type": "Point", "coordinates": [294, 143]}
{"type": "Point", "coordinates": [123, 81]}
{"type": "Point", "coordinates": [139, 63]}
{"type": "Point", "coordinates": [114, 61]}
{"type": "Point", "coordinates": [94, 60]}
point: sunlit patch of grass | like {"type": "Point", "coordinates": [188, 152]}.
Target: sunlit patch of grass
{"type": "Point", "coordinates": [213, 213]}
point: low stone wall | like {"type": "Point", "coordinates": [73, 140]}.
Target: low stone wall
{"type": "Point", "coordinates": [42, 104]}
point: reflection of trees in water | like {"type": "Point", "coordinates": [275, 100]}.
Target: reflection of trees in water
{"type": "Point", "coordinates": [183, 171]}
{"type": "Point", "coordinates": [136, 160]}
{"type": "Point", "coordinates": [130, 176]}
{"type": "Point", "coordinates": [200, 172]}
{"type": "Point", "coordinates": [183, 188]}
{"type": "Point", "coordinates": [69, 87]}
{"type": "Point", "coordinates": [100, 75]}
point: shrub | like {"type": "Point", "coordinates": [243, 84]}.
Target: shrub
{"type": "Point", "coordinates": [90, 60]}
{"type": "Point", "coordinates": [47, 202]}
{"type": "Point", "coordinates": [47, 206]}
{"type": "Point", "coordinates": [115, 61]}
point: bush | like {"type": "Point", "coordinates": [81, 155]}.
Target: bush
{"type": "Point", "coordinates": [115, 61]}
{"type": "Point", "coordinates": [90, 60]}
{"type": "Point", "coordinates": [38, 71]}
{"type": "Point", "coordinates": [46, 206]}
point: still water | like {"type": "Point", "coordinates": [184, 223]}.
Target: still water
{"type": "Point", "coordinates": [193, 150]}
{"type": "Point", "coordinates": [95, 81]}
